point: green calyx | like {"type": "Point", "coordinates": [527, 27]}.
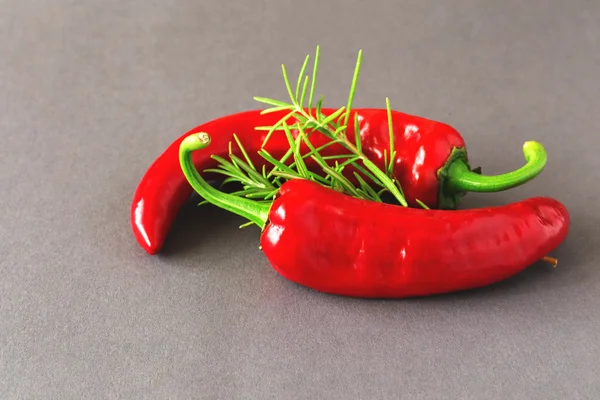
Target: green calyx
{"type": "Point", "coordinates": [449, 198]}
{"type": "Point", "coordinates": [255, 212]}
{"type": "Point", "coordinates": [456, 177]}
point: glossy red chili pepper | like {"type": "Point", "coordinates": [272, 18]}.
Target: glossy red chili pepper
{"type": "Point", "coordinates": [338, 244]}
{"type": "Point", "coordinates": [431, 164]}
{"type": "Point", "coordinates": [163, 190]}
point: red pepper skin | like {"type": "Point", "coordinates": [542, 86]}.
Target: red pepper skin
{"type": "Point", "coordinates": [341, 245]}
{"type": "Point", "coordinates": [423, 148]}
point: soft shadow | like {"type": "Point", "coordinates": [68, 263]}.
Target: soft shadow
{"type": "Point", "coordinates": [194, 225]}
{"type": "Point", "coordinates": [483, 200]}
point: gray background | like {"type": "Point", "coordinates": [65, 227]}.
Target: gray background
{"type": "Point", "coordinates": [92, 92]}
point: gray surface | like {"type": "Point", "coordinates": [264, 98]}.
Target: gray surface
{"type": "Point", "coordinates": [91, 93]}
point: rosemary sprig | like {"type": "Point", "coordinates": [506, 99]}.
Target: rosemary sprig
{"type": "Point", "coordinates": [258, 186]}
{"type": "Point", "coordinates": [328, 125]}
{"type": "Point", "coordinates": [293, 164]}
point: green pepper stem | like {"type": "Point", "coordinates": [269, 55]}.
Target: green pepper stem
{"type": "Point", "coordinates": [255, 212]}
{"type": "Point", "coordinates": [461, 178]}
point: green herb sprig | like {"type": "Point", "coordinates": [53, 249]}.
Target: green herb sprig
{"type": "Point", "coordinates": [330, 125]}
{"type": "Point", "coordinates": [307, 120]}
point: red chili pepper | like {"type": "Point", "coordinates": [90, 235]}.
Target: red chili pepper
{"type": "Point", "coordinates": [334, 243]}
{"type": "Point", "coordinates": [163, 189]}
{"type": "Point", "coordinates": [431, 164]}
{"type": "Point", "coordinates": [431, 159]}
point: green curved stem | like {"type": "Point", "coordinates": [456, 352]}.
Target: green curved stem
{"type": "Point", "coordinates": [255, 212]}
{"type": "Point", "coordinates": [461, 178]}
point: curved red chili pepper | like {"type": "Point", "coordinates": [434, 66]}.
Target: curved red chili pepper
{"type": "Point", "coordinates": [163, 189]}
{"type": "Point", "coordinates": [431, 164]}
{"type": "Point", "coordinates": [338, 244]}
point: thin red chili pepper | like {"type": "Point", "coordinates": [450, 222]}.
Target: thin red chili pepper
{"type": "Point", "coordinates": [431, 164]}
{"type": "Point", "coordinates": [338, 244]}
{"type": "Point", "coordinates": [163, 189]}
